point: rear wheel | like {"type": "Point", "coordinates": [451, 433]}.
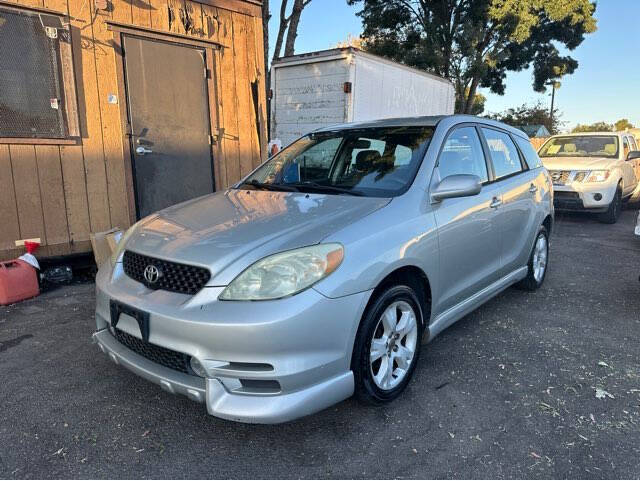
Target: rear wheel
{"type": "Point", "coordinates": [538, 260]}
{"type": "Point", "coordinates": [387, 345]}
{"type": "Point", "coordinates": [612, 214]}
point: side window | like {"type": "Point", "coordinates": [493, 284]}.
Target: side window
{"type": "Point", "coordinates": [403, 155]}
{"type": "Point", "coordinates": [625, 145]}
{"type": "Point", "coordinates": [462, 154]}
{"type": "Point", "coordinates": [634, 146]}
{"type": "Point", "coordinates": [504, 155]}
{"type": "Point", "coordinates": [530, 155]}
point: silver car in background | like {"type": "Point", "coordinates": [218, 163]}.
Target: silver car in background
{"type": "Point", "coordinates": [323, 272]}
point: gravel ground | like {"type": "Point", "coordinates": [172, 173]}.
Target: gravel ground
{"type": "Point", "coordinates": [510, 391]}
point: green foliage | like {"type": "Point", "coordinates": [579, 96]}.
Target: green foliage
{"type": "Point", "coordinates": [622, 125]}
{"type": "Point", "coordinates": [475, 42]}
{"type": "Point", "coordinates": [597, 127]}
{"type": "Point", "coordinates": [536, 114]}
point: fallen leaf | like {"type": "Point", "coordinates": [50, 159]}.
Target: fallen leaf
{"type": "Point", "coordinates": [601, 394]}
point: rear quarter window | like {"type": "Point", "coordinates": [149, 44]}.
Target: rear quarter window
{"type": "Point", "coordinates": [530, 155]}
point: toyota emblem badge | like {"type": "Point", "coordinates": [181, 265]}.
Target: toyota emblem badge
{"type": "Point", "coordinates": [151, 274]}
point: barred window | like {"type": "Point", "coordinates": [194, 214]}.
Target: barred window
{"type": "Point", "coordinates": [37, 97]}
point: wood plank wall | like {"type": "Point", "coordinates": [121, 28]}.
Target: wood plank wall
{"type": "Point", "coordinates": [61, 193]}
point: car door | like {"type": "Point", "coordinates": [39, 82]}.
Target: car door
{"type": "Point", "coordinates": [629, 167]}
{"type": "Point", "coordinates": [468, 237]}
{"type": "Point", "coordinates": [636, 162]}
{"type": "Point", "coordinates": [516, 217]}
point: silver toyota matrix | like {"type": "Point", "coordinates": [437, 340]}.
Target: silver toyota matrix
{"type": "Point", "coordinates": [323, 272]}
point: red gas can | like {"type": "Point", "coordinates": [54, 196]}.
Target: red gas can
{"type": "Point", "coordinates": [18, 281]}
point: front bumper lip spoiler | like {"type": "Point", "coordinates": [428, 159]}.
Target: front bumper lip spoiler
{"type": "Point", "coordinates": [171, 381]}
{"type": "Point", "coordinates": [220, 402]}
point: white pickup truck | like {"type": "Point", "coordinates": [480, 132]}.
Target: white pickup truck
{"type": "Point", "coordinates": [593, 171]}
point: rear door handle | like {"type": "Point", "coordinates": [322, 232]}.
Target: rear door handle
{"type": "Point", "coordinates": [533, 189]}
{"type": "Point", "coordinates": [495, 203]}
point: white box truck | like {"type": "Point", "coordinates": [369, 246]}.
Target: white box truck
{"type": "Point", "coordinates": [317, 89]}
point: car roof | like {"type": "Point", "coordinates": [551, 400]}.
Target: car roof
{"type": "Point", "coordinates": [597, 134]}
{"type": "Point", "coordinates": [425, 121]}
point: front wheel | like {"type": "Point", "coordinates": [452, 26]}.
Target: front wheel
{"type": "Point", "coordinates": [537, 266]}
{"type": "Point", "coordinates": [387, 345]}
{"type": "Point", "coordinates": [612, 214]}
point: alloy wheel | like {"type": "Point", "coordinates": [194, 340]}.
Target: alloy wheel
{"type": "Point", "coordinates": [540, 254]}
{"type": "Point", "coordinates": [393, 345]}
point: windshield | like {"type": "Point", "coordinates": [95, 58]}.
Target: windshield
{"type": "Point", "coordinates": [581, 146]}
{"type": "Point", "coordinates": [377, 162]}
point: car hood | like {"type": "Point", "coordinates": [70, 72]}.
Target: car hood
{"type": "Point", "coordinates": [218, 229]}
{"type": "Point", "coordinates": [578, 163]}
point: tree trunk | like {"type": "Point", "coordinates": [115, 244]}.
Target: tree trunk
{"type": "Point", "coordinates": [292, 32]}
{"type": "Point", "coordinates": [468, 106]}
{"type": "Point", "coordinates": [284, 23]}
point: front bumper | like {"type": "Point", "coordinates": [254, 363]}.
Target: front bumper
{"type": "Point", "coordinates": [577, 196]}
{"type": "Point", "coordinates": [301, 345]}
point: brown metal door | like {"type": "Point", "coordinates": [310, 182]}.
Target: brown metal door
{"type": "Point", "coordinates": [169, 115]}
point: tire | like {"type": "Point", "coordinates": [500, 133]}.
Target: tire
{"type": "Point", "coordinates": [369, 376]}
{"type": "Point", "coordinates": [535, 278]}
{"type": "Point", "coordinates": [612, 214]}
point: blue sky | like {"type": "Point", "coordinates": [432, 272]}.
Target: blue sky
{"type": "Point", "coordinates": [605, 87]}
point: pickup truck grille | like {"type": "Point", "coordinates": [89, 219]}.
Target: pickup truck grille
{"type": "Point", "coordinates": [171, 276]}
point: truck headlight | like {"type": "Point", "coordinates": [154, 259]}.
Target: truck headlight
{"type": "Point", "coordinates": [284, 274]}
{"type": "Point", "coordinates": [598, 176]}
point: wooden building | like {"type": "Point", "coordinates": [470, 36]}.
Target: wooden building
{"type": "Point", "coordinates": [112, 109]}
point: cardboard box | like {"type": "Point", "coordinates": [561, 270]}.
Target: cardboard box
{"type": "Point", "coordinates": [104, 244]}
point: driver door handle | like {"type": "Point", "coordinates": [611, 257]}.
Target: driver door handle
{"type": "Point", "coordinates": [533, 189]}
{"type": "Point", "coordinates": [495, 203]}
{"type": "Point", "coordinates": [143, 150]}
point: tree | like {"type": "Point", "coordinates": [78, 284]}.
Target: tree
{"type": "Point", "coordinates": [287, 24]}
{"type": "Point", "coordinates": [476, 108]}
{"type": "Point", "coordinates": [622, 125]}
{"type": "Point", "coordinates": [597, 127]}
{"type": "Point", "coordinates": [475, 42]}
{"type": "Point", "coordinates": [536, 114]}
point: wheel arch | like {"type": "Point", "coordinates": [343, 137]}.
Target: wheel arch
{"type": "Point", "coordinates": [415, 277]}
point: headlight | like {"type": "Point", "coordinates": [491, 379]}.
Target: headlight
{"type": "Point", "coordinates": [284, 274]}
{"type": "Point", "coordinates": [598, 176]}
{"type": "Point", "coordinates": [117, 254]}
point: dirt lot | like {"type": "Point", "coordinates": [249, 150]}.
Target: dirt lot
{"type": "Point", "coordinates": [509, 391]}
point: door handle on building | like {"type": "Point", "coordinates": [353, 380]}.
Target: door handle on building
{"type": "Point", "coordinates": [495, 203]}
{"type": "Point", "coordinates": [143, 150]}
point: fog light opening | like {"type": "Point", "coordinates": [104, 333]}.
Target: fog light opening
{"type": "Point", "coordinates": [597, 196]}
{"type": "Point", "coordinates": [197, 367]}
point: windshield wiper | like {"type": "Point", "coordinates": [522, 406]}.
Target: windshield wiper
{"type": "Point", "coordinates": [272, 187]}
{"type": "Point", "coordinates": [326, 188]}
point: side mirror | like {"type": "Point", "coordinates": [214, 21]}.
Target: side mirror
{"type": "Point", "coordinates": [634, 154]}
{"type": "Point", "coordinates": [459, 185]}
